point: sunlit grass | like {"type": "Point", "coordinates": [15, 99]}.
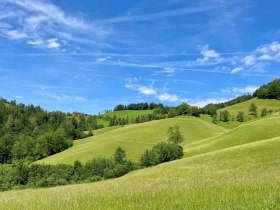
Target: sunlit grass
{"type": "Point", "coordinates": [242, 177]}
{"type": "Point", "coordinates": [135, 139]}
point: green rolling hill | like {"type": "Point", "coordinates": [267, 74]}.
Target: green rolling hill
{"type": "Point", "coordinates": [222, 168]}
{"type": "Point", "coordinates": [240, 177]}
{"type": "Point", "coordinates": [269, 104]}
{"type": "Point", "coordinates": [246, 133]}
{"type": "Point", "coordinates": [135, 139]}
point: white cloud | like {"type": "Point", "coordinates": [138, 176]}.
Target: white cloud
{"type": "Point", "coordinates": [167, 97]}
{"type": "Point", "coordinates": [61, 97]}
{"type": "Point", "coordinates": [169, 70]}
{"type": "Point", "coordinates": [147, 90]}
{"type": "Point", "coordinates": [53, 43]}
{"type": "Point", "coordinates": [202, 103]}
{"type": "Point", "coordinates": [269, 48]}
{"type": "Point", "coordinates": [270, 52]}
{"type": "Point", "coordinates": [235, 70]}
{"type": "Point", "coordinates": [142, 89]}
{"type": "Point", "coordinates": [47, 11]}
{"type": "Point", "coordinates": [50, 43]}
{"type": "Point", "coordinates": [249, 60]}
{"type": "Point", "coordinates": [161, 95]}
{"type": "Point", "coordinates": [243, 90]}
{"type": "Point", "coordinates": [36, 42]}
{"type": "Point", "coordinates": [265, 57]}
{"type": "Point", "coordinates": [208, 54]}
{"type": "Point", "coordinates": [36, 19]}
{"type": "Point", "coordinates": [104, 59]}
{"type": "Point", "coordinates": [15, 34]}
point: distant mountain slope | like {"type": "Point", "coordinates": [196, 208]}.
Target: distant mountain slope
{"type": "Point", "coordinates": [135, 139]}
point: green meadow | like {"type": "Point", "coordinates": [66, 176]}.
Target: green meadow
{"type": "Point", "coordinates": [135, 139]}
{"type": "Point", "coordinates": [241, 177]}
{"type": "Point", "coordinates": [269, 104]}
{"type": "Point", "coordinates": [234, 168]}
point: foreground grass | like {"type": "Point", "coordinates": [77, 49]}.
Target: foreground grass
{"type": "Point", "coordinates": [135, 139]}
{"type": "Point", "coordinates": [241, 177]}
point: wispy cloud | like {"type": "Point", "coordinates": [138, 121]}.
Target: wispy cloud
{"type": "Point", "coordinates": [167, 97]}
{"type": "Point", "coordinates": [204, 102]}
{"type": "Point", "coordinates": [146, 90]}
{"type": "Point", "coordinates": [150, 90]}
{"type": "Point", "coordinates": [243, 90]}
{"type": "Point", "coordinates": [235, 70]}
{"type": "Point", "coordinates": [103, 59]}
{"type": "Point", "coordinates": [249, 60]}
{"type": "Point", "coordinates": [14, 34]}
{"type": "Point", "coordinates": [60, 97]}
{"type": "Point", "coordinates": [208, 54]}
{"type": "Point", "coordinates": [167, 71]}
{"type": "Point", "coordinates": [162, 14]}
{"type": "Point", "coordinates": [269, 52]}
{"type": "Point", "coordinates": [41, 24]}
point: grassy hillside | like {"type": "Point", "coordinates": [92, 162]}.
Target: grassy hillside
{"type": "Point", "coordinates": [103, 122]}
{"type": "Point", "coordinates": [249, 132]}
{"type": "Point", "coordinates": [272, 104]}
{"type": "Point", "coordinates": [241, 177]}
{"type": "Point", "coordinates": [135, 139]}
{"type": "Point", "coordinates": [269, 104]}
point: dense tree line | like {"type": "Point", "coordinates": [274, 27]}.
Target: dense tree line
{"type": "Point", "coordinates": [212, 108]}
{"type": "Point", "coordinates": [29, 132]}
{"type": "Point", "coordinates": [138, 106]}
{"type": "Point", "coordinates": [22, 175]}
{"type": "Point", "coordinates": [158, 113]}
{"type": "Point", "coordinates": [160, 109]}
{"type": "Point", "coordinates": [269, 91]}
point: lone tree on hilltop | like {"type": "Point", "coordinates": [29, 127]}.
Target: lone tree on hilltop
{"type": "Point", "coordinates": [174, 135]}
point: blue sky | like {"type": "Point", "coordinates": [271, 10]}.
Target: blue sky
{"type": "Point", "coordinates": [88, 55]}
